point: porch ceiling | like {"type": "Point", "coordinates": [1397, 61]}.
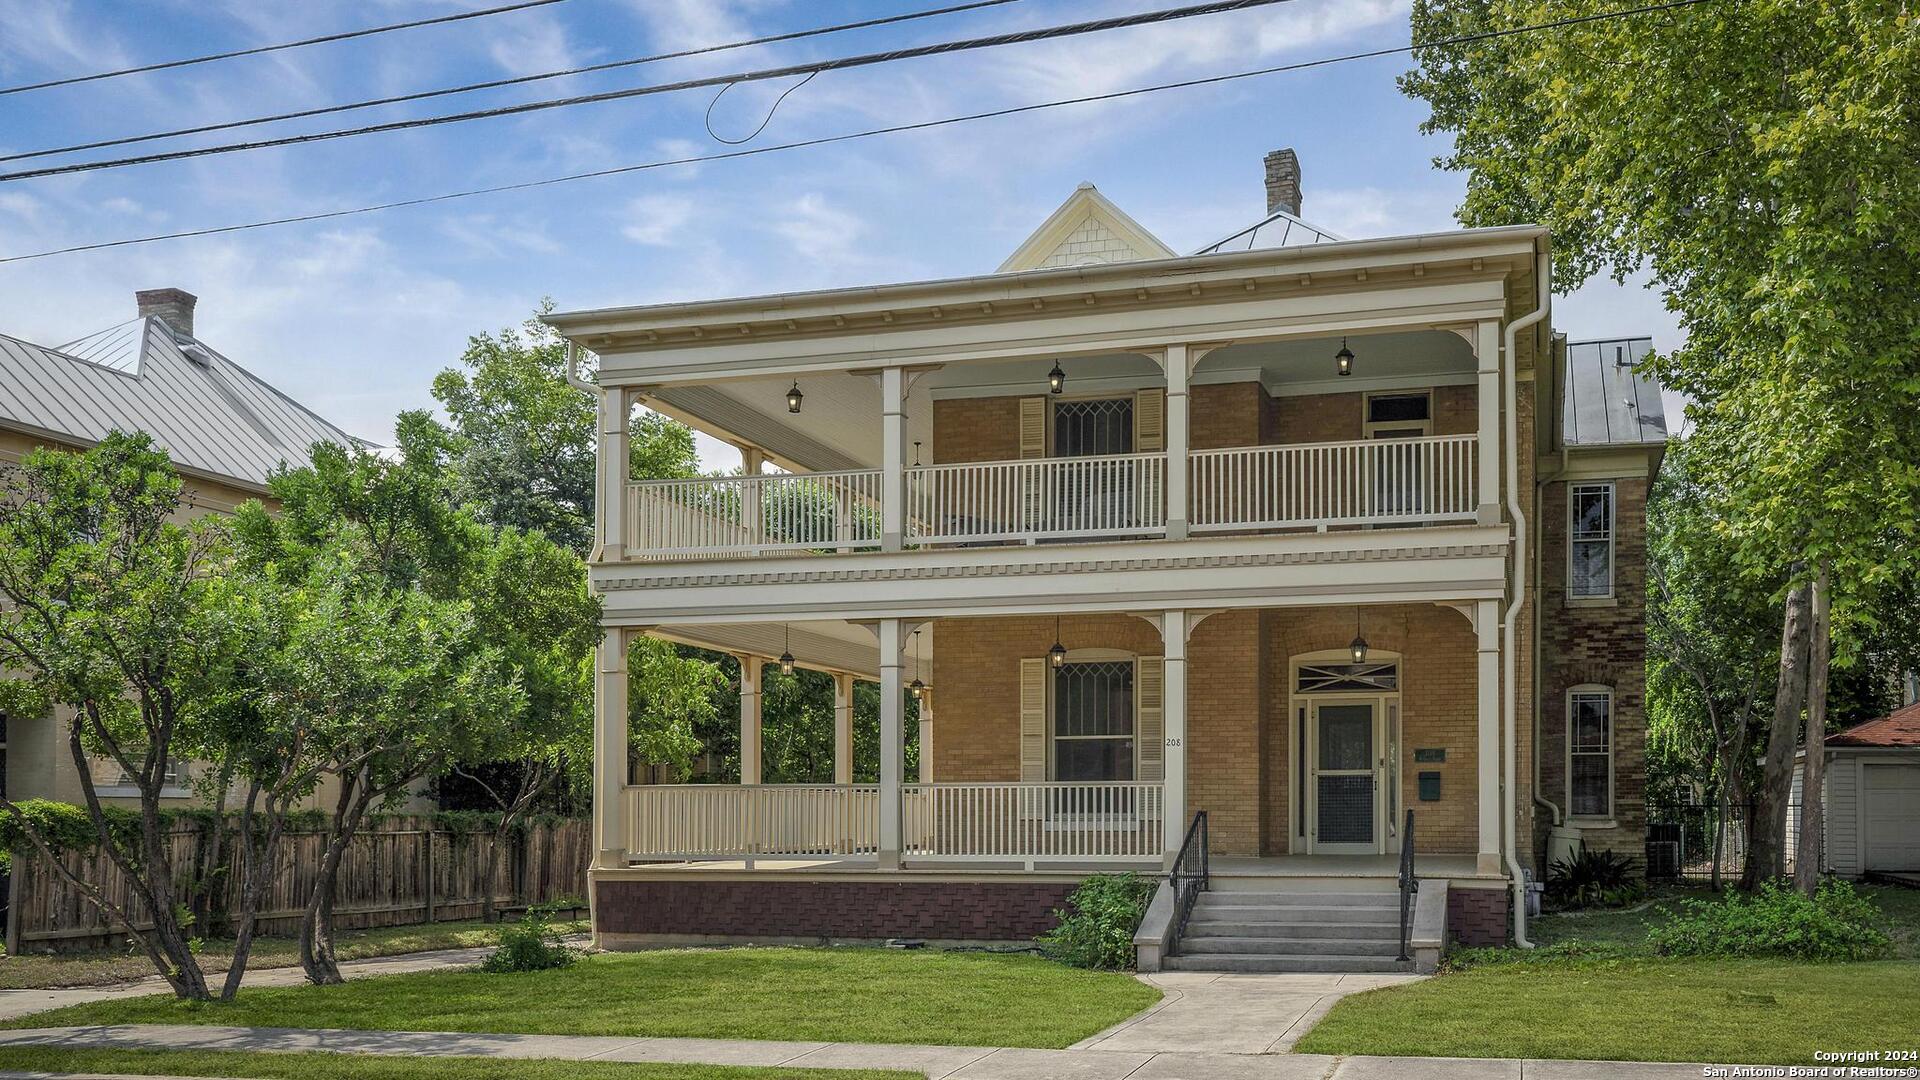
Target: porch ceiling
{"type": "Point", "coordinates": [826, 645]}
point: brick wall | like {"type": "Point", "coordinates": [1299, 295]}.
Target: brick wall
{"type": "Point", "coordinates": [1339, 417]}
{"type": "Point", "coordinates": [988, 429]}
{"type": "Point", "coordinates": [1479, 917]}
{"type": "Point", "coordinates": [1238, 750]}
{"type": "Point", "coordinates": [861, 910]}
{"type": "Point", "coordinates": [1603, 645]}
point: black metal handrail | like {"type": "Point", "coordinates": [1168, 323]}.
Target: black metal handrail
{"type": "Point", "coordinates": [1409, 884]}
{"type": "Point", "coordinates": [1188, 878]}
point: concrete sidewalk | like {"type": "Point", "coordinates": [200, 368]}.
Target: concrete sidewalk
{"type": "Point", "coordinates": [1210, 1013]}
{"type": "Point", "coordinates": [18, 1003]}
{"type": "Point", "coordinates": [934, 1062]}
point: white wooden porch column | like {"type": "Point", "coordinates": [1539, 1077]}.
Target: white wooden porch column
{"type": "Point", "coordinates": [892, 748]}
{"type": "Point", "coordinates": [1487, 394]}
{"type": "Point", "coordinates": [612, 470]}
{"type": "Point", "coordinates": [749, 719]}
{"type": "Point", "coordinates": [752, 503]}
{"type": "Point", "coordinates": [926, 738]}
{"type": "Point", "coordinates": [1177, 441]}
{"type": "Point", "coordinates": [1173, 636]}
{"type": "Point", "coordinates": [843, 728]}
{"type": "Point", "coordinates": [1486, 623]}
{"type": "Point", "coordinates": [610, 748]}
{"type": "Point", "coordinates": [893, 465]}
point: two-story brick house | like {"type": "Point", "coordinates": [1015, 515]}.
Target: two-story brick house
{"type": "Point", "coordinates": [1279, 531]}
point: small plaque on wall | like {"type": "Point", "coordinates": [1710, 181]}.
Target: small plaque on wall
{"type": "Point", "coordinates": [1430, 755]}
{"type": "Point", "coordinates": [1429, 787]}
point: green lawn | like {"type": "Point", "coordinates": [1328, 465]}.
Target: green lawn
{"type": "Point", "coordinates": [376, 1067]}
{"type": "Point", "coordinates": [33, 971]}
{"type": "Point", "coordinates": [838, 994]}
{"type": "Point", "coordinates": [1600, 993]}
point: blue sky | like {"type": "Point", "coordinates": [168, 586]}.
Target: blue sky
{"type": "Point", "coordinates": [354, 316]}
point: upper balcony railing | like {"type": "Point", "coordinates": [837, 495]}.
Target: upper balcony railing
{"type": "Point", "coordinates": [1428, 480]}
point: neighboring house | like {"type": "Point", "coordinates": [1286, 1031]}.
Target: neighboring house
{"type": "Point", "coordinates": [1261, 532]}
{"type": "Point", "coordinates": [1872, 796]}
{"type": "Point", "coordinates": [225, 430]}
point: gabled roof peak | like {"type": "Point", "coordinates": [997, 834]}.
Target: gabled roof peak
{"type": "Point", "coordinates": [1086, 229]}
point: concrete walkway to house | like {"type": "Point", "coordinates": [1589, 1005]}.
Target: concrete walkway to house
{"type": "Point", "coordinates": [1204, 1012]}
{"type": "Point", "coordinates": [18, 1003]}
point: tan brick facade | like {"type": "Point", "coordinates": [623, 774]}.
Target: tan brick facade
{"type": "Point", "coordinates": [1604, 644]}
{"type": "Point", "coordinates": [1239, 764]}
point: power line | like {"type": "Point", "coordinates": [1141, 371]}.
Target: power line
{"type": "Point", "coordinates": [467, 88]}
{"type": "Point", "coordinates": [1463, 39]}
{"type": "Point", "coordinates": [258, 49]}
{"type": "Point", "coordinates": [1046, 33]}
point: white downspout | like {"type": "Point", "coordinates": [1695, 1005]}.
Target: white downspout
{"type": "Point", "coordinates": [573, 372]}
{"type": "Point", "coordinates": [1543, 295]}
{"type": "Point", "coordinates": [1539, 558]}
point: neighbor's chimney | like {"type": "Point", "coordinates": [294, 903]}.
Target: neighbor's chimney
{"type": "Point", "coordinates": [171, 306]}
{"type": "Point", "coordinates": [1283, 182]}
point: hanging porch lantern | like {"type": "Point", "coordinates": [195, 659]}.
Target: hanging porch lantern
{"type": "Point", "coordinates": [1056, 379]}
{"type": "Point", "coordinates": [1343, 358]}
{"type": "Point", "coordinates": [794, 397]}
{"type": "Point", "coordinates": [786, 654]}
{"type": "Point", "coordinates": [1358, 646]}
{"type": "Point", "coordinates": [1057, 656]}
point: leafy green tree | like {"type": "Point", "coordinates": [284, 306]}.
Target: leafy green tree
{"type": "Point", "coordinates": [120, 618]}
{"type": "Point", "coordinates": [520, 441]}
{"type": "Point", "coordinates": [418, 685]}
{"type": "Point", "coordinates": [1755, 158]}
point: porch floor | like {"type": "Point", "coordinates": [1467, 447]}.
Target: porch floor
{"type": "Point", "coordinates": [1454, 867]}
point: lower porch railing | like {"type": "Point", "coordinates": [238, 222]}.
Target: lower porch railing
{"type": "Point", "coordinates": [979, 822]}
{"type": "Point", "coordinates": [1070, 822]}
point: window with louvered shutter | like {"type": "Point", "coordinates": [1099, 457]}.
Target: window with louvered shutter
{"type": "Point", "coordinates": [1149, 695]}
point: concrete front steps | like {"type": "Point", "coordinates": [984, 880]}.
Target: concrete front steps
{"type": "Point", "coordinates": [1274, 930]}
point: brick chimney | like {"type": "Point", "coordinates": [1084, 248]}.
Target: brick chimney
{"type": "Point", "coordinates": [171, 306]}
{"type": "Point", "coordinates": [1283, 182]}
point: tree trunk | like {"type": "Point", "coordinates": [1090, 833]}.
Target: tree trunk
{"type": "Point", "coordinates": [1810, 855]}
{"type": "Point", "coordinates": [316, 925]}
{"type": "Point", "coordinates": [489, 913]}
{"type": "Point", "coordinates": [1765, 850]}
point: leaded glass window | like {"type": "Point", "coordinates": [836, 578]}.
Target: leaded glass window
{"type": "Point", "coordinates": [1348, 678]}
{"type": "Point", "coordinates": [1590, 753]}
{"type": "Point", "coordinates": [1590, 542]}
{"type": "Point", "coordinates": [1093, 721]}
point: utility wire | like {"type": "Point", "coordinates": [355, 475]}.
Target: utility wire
{"type": "Point", "coordinates": [258, 49]}
{"type": "Point", "coordinates": [1046, 33]}
{"type": "Point", "coordinates": [496, 83]}
{"type": "Point", "coordinates": [1463, 39]}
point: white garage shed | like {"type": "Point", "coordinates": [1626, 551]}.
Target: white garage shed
{"type": "Point", "coordinates": [1873, 796]}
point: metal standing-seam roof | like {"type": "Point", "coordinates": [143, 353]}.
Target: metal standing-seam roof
{"type": "Point", "coordinates": [213, 417]}
{"type": "Point", "coordinates": [1610, 399]}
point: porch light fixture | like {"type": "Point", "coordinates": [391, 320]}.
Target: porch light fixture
{"type": "Point", "coordinates": [786, 655]}
{"type": "Point", "coordinates": [1056, 379]}
{"type": "Point", "coordinates": [794, 397]}
{"type": "Point", "coordinates": [1057, 656]}
{"type": "Point", "coordinates": [919, 688]}
{"type": "Point", "coordinates": [1344, 358]}
{"type": "Point", "coordinates": [1358, 647]}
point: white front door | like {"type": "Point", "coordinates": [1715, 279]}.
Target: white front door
{"type": "Point", "coordinates": [1343, 794]}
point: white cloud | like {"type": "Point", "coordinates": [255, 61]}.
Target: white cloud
{"type": "Point", "coordinates": [819, 230]}
{"type": "Point", "coordinates": [531, 46]}
{"type": "Point", "coordinates": [656, 220]}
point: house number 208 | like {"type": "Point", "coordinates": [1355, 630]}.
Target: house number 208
{"type": "Point", "coordinates": [1173, 742]}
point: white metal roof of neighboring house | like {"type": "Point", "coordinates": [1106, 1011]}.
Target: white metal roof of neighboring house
{"type": "Point", "coordinates": [1611, 400]}
{"type": "Point", "coordinates": [1278, 229]}
{"type": "Point", "coordinates": [214, 417]}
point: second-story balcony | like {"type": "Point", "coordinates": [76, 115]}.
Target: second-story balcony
{"type": "Point", "coordinates": [1296, 486]}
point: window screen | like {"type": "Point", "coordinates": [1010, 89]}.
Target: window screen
{"type": "Point", "coordinates": [1590, 541]}
{"type": "Point", "coordinates": [1399, 408]}
{"type": "Point", "coordinates": [1590, 753]}
{"type": "Point", "coordinates": [1093, 721]}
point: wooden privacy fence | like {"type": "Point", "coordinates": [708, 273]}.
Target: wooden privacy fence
{"type": "Point", "coordinates": [397, 870]}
